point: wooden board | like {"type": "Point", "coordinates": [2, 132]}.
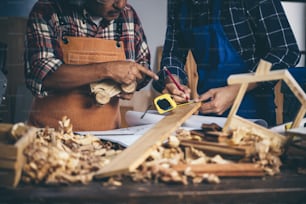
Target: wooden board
{"type": "Point", "coordinates": [11, 155]}
{"type": "Point", "coordinates": [224, 170]}
{"type": "Point", "coordinates": [13, 151]}
{"type": "Point", "coordinates": [10, 178]}
{"type": "Point", "coordinates": [134, 155]}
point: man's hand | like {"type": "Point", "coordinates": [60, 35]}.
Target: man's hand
{"type": "Point", "coordinates": [127, 72]}
{"type": "Point", "coordinates": [177, 95]}
{"type": "Point", "coordinates": [218, 99]}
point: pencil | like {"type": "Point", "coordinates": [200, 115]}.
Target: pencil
{"type": "Point", "coordinates": [174, 81]}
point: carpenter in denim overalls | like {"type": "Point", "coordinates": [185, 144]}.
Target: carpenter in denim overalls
{"type": "Point", "coordinates": [217, 59]}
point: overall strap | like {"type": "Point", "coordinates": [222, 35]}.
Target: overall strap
{"type": "Point", "coordinates": [216, 10]}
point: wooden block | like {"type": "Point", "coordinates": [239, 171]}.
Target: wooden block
{"type": "Point", "coordinates": [137, 153]}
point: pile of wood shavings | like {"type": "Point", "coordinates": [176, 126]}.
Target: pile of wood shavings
{"type": "Point", "coordinates": [62, 157]}
{"type": "Point", "coordinates": [160, 166]}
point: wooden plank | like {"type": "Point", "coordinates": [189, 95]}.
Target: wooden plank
{"type": "Point", "coordinates": [12, 163]}
{"type": "Point", "coordinates": [13, 151]}
{"type": "Point", "coordinates": [9, 164]}
{"type": "Point", "coordinates": [217, 148]}
{"type": "Point", "coordinates": [8, 151]}
{"type": "Point", "coordinates": [10, 178]}
{"type": "Point", "coordinates": [223, 170]}
{"type": "Point", "coordinates": [134, 155]}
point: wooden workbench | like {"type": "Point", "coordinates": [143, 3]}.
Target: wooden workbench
{"type": "Point", "coordinates": [288, 187]}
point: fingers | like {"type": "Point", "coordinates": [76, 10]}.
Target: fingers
{"type": "Point", "coordinates": [204, 97]}
{"type": "Point", "coordinates": [178, 95]}
{"type": "Point", "coordinates": [136, 72]}
{"type": "Point", "coordinates": [146, 71]}
{"type": "Point", "coordinates": [208, 103]}
{"type": "Point", "coordinates": [211, 103]}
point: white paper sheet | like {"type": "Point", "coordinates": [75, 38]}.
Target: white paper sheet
{"type": "Point", "coordinates": [133, 118]}
{"type": "Point", "coordinates": [122, 136]}
{"type": "Point", "coordinates": [139, 126]}
{"type": "Point", "coordinates": [281, 128]}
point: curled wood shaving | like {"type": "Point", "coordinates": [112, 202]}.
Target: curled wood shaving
{"type": "Point", "coordinates": [63, 157]}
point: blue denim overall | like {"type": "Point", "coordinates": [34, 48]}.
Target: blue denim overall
{"type": "Point", "coordinates": [217, 59]}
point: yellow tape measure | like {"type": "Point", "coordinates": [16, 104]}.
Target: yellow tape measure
{"type": "Point", "coordinates": [165, 103]}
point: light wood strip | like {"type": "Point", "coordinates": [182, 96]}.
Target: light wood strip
{"type": "Point", "coordinates": [231, 169]}
{"type": "Point", "coordinates": [251, 77]}
{"type": "Point", "coordinates": [216, 147]}
{"type": "Point", "coordinates": [263, 68]}
{"type": "Point", "coordinates": [235, 106]}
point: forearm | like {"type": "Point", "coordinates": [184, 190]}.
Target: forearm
{"type": "Point", "coordinates": [73, 76]}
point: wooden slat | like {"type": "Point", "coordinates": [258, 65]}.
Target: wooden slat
{"type": "Point", "coordinates": [224, 170]}
{"type": "Point", "coordinates": [251, 78]}
{"type": "Point", "coordinates": [10, 178]}
{"type": "Point", "coordinates": [8, 151]}
{"type": "Point", "coordinates": [134, 155]}
{"type": "Point", "coordinates": [235, 106]}
{"type": "Point", "coordinates": [12, 164]}
{"type": "Point", "coordinates": [217, 148]}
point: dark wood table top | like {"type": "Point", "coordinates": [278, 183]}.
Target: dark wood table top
{"type": "Point", "coordinates": [287, 187]}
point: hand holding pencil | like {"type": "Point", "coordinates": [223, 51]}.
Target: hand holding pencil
{"type": "Point", "coordinates": [179, 92]}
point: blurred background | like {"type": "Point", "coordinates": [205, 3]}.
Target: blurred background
{"type": "Point", "coordinates": [15, 98]}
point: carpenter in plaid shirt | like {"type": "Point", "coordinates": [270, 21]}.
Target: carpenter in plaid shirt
{"type": "Point", "coordinates": [72, 44]}
{"type": "Point", "coordinates": [51, 20]}
{"type": "Point", "coordinates": [226, 37]}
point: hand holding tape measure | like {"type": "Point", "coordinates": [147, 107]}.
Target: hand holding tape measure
{"type": "Point", "coordinates": [165, 103]}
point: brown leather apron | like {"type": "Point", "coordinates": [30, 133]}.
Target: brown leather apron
{"type": "Point", "coordinates": [79, 105]}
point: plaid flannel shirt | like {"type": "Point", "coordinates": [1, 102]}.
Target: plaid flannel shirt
{"type": "Point", "coordinates": [257, 29]}
{"type": "Point", "coordinates": [44, 29]}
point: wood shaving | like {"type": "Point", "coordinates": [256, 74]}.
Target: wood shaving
{"type": "Point", "coordinates": [62, 157]}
